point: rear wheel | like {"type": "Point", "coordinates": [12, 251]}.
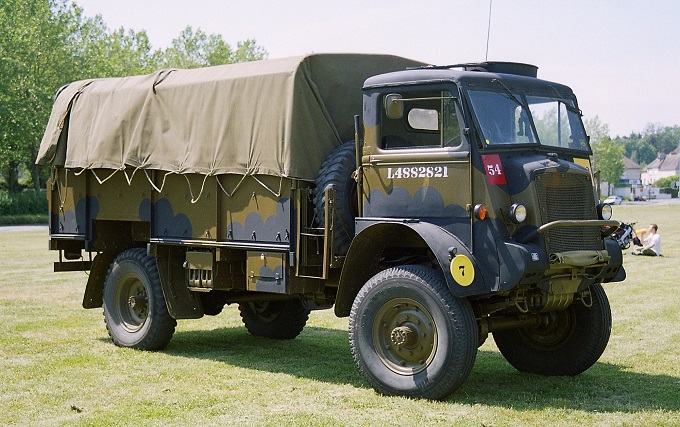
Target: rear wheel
{"type": "Point", "coordinates": [135, 312]}
{"type": "Point", "coordinates": [274, 319]}
{"type": "Point", "coordinates": [409, 336]}
{"type": "Point", "coordinates": [567, 342]}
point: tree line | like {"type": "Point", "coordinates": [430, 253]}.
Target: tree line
{"type": "Point", "coordinates": [641, 147]}
{"type": "Point", "coordinates": [45, 44]}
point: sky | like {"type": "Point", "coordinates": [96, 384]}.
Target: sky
{"type": "Point", "coordinates": [621, 58]}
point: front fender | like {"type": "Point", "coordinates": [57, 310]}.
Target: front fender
{"type": "Point", "coordinates": [363, 258]}
{"type": "Point", "coordinates": [614, 271]}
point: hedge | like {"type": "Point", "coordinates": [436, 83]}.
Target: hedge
{"type": "Point", "coordinates": [28, 204]}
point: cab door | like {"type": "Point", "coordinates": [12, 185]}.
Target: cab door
{"type": "Point", "coordinates": [416, 161]}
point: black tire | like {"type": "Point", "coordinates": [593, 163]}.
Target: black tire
{"type": "Point", "coordinates": [568, 343]}
{"type": "Point", "coordinates": [135, 312]}
{"type": "Point", "coordinates": [283, 320]}
{"type": "Point", "coordinates": [337, 171]}
{"type": "Point", "coordinates": [213, 302]}
{"type": "Point", "coordinates": [409, 336]}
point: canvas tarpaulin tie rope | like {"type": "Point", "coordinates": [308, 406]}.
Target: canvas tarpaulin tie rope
{"type": "Point", "coordinates": [97, 177]}
{"type": "Point", "coordinates": [129, 179]}
{"type": "Point", "coordinates": [162, 75]}
{"type": "Point", "coordinates": [54, 177]}
{"type": "Point", "coordinates": [130, 176]}
{"type": "Point", "coordinates": [235, 188]}
{"type": "Point", "coordinates": [194, 200]}
{"type": "Point", "coordinates": [153, 184]}
{"type": "Point", "coordinates": [270, 190]}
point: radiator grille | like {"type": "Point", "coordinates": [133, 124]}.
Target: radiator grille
{"type": "Point", "coordinates": [568, 196]}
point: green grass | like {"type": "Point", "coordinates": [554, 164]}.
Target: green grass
{"type": "Point", "coordinates": [59, 368]}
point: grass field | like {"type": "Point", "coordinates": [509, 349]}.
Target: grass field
{"type": "Point", "coordinates": [58, 366]}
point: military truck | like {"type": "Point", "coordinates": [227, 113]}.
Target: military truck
{"type": "Point", "coordinates": [459, 202]}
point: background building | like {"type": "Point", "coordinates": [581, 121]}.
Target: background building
{"type": "Point", "coordinates": [663, 166]}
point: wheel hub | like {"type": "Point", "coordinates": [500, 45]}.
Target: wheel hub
{"type": "Point", "coordinates": [554, 328]}
{"type": "Point", "coordinates": [137, 302]}
{"type": "Point", "coordinates": [405, 336]}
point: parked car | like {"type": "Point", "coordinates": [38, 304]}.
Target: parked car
{"type": "Point", "coordinates": [613, 200]}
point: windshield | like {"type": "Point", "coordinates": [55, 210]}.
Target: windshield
{"type": "Point", "coordinates": [506, 117]}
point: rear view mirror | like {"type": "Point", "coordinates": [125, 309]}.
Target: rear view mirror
{"type": "Point", "coordinates": [394, 106]}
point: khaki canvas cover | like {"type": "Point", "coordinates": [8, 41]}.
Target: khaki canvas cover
{"type": "Point", "coordinates": [277, 117]}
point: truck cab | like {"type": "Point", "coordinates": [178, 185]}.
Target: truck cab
{"type": "Point", "coordinates": [480, 172]}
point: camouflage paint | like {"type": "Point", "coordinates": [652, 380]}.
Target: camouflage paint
{"type": "Point", "coordinates": [252, 214]}
{"type": "Point", "coordinates": [68, 202]}
{"type": "Point", "coordinates": [476, 174]}
{"type": "Point", "coordinates": [437, 188]}
{"type": "Point", "coordinates": [267, 272]}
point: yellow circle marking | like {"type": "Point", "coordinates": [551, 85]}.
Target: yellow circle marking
{"type": "Point", "coordinates": [462, 270]}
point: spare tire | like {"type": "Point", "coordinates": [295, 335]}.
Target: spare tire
{"type": "Point", "coordinates": [337, 171]}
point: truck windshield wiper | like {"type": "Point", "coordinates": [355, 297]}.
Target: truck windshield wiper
{"type": "Point", "coordinates": [509, 92]}
{"type": "Point", "coordinates": [561, 99]}
{"type": "Point", "coordinates": [524, 122]}
{"type": "Point", "coordinates": [572, 109]}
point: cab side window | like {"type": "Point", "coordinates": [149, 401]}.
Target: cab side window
{"type": "Point", "coordinates": [426, 119]}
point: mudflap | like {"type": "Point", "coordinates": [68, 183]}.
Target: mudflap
{"type": "Point", "coordinates": [182, 303]}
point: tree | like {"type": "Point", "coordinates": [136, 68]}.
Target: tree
{"type": "Point", "coordinates": [645, 147]}
{"type": "Point", "coordinates": [596, 129]}
{"type": "Point", "coordinates": [119, 53]}
{"type": "Point", "coordinates": [34, 52]}
{"type": "Point", "coordinates": [608, 159]}
{"type": "Point", "coordinates": [194, 49]}
{"type": "Point", "coordinates": [45, 44]}
{"type": "Point", "coordinates": [664, 139]}
{"type": "Point", "coordinates": [644, 153]}
{"type": "Point", "coordinates": [247, 51]}
{"type": "Point", "coordinates": [666, 182]}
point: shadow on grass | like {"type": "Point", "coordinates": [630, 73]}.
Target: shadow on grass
{"type": "Point", "coordinates": [318, 353]}
{"type": "Point", "coordinates": [605, 387]}
{"type": "Point", "coordinates": [323, 354]}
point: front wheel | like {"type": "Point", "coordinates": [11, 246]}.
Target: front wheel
{"type": "Point", "coordinates": [135, 311]}
{"type": "Point", "coordinates": [567, 342]}
{"type": "Point", "coordinates": [409, 336]}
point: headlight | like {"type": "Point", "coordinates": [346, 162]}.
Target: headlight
{"type": "Point", "coordinates": [604, 211]}
{"type": "Point", "coordinates": [518, 213]}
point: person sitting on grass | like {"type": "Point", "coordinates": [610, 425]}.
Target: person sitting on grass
{"type": "Point", "coordinates": [652, 243]}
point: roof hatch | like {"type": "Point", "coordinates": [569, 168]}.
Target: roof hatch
{"type": "Point", "coordinates": [516, 68]}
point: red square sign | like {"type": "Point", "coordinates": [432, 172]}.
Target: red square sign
{"type": "Point", "coordinates": [494, 169]}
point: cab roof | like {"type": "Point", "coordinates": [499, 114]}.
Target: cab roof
{"type": "Point", "coordinates": [464, 75]}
